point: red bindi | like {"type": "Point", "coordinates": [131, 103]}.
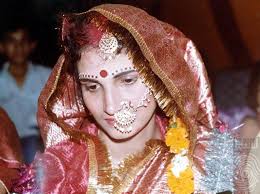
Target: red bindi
{"type": "Point", "coordinates": [103, 73]}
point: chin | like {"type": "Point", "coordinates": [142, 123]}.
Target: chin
{"type": "Point", "coordinates": [118, 136]}
{"type": "Point", "coordinates": [20, 61]}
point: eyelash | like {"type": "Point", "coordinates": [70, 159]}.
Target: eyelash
{"type": "Point", "coordinates": [132, 80]}
{"type": "Point", "coordinates": [90, 89]}
{"type": "Point", "coordinates": [125, 81]}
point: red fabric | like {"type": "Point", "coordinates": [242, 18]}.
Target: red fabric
{"type": "Point", "coordinates": [10, 149]}
{"type": "Point", "coordinates": [65, 168]}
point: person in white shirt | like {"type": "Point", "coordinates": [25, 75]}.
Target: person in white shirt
{"type": "Point", "coordinates": [21, 82]}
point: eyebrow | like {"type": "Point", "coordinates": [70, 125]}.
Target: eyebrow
{"type": "Point", "coordinates": [88, 80]}
{"type": "Point", "coordinates": [124, 73]}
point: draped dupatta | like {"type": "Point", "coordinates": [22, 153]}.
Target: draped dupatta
{"type": "Point", "coordinates": [10, 150]}
{"type": "Point", "coordinates": [75, 161]}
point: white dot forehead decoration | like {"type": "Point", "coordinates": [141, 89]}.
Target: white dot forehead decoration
{"type": "Point", "coordinates": [117, 71]}
{"type": "Point", "coordinates": [108, 46]}
{"type": "Point", "coordinates": [86, 76]}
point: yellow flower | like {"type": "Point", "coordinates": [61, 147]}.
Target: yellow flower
{"type": "Point", "coordinates": [176, 137]}
{"type": "Point", "coordinates": [182, 185]}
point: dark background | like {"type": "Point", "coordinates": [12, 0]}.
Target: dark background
{"type": "Point", "coordinates": [225, 31]}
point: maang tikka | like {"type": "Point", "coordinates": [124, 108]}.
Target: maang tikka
{"type": "Point", "coordinates": [125, 117]}
{"type": "Point", "coordinates": [108, 46]}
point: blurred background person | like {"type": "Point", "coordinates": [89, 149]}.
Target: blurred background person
{"type": "Point", "coordinates": [252, 123]}
{"type": "Point", "coordinates": [250, 133]}
{"type": "Point", "coordinates": [231, 95]}
{"type": "Point", "coordinates": [10, 151]}
{"type": "Point", "coordinates": [21, 82]}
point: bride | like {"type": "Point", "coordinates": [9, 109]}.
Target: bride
{"type": "Point", "coordinates": [127, 109]}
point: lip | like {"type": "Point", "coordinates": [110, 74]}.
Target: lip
{"type": "Point", "coordinates": [110, 121]}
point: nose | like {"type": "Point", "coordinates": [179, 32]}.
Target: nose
{"type": "Point", "coordinates": [19, 47]}
{"type": "Point", "coordinates": [110, 102]}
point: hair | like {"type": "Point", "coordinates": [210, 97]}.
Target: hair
{"type": "Point", "coordinates": [253, 87]}
{"type": "Point", "coordinates": [80, 31]}
{"type": "Point", "coordinates": [15, 25]}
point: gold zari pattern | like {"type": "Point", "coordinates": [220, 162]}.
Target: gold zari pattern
{"type": "Point", "coordinates": [131, 174]}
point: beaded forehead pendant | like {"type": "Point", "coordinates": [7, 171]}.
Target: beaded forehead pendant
{"type": "Point", "coordinates": [108, 46]}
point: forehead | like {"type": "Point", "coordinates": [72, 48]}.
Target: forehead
{"type": "Point", "coordinates": [19, 34]}
{"type": "Point", "coordinates": [92, 62]}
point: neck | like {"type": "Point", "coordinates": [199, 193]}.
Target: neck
{"type": "Point", "coordinates": [18, 71]}
{"type": "Point", "coordinates": [130, 146]}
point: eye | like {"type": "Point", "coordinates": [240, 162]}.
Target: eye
{"type": "Point", "coordinates": [129, 80]}
{"type": "Point", "coordinates": [92, 87]}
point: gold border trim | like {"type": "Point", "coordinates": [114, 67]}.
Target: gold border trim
{"type": "Point", "coordinates": [92, 167]}
{"type": "Point", "coordinates": [148, 152]}
{"type": "Point", "coordinates": [5, 187]}
{"type": "Point", "coordinates": [61, 62]}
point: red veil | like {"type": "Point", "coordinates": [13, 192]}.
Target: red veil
{"type": "Point", "coordinates": [75, 161]}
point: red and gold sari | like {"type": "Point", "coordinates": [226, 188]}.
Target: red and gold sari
{"type": "Point", "coordinates": [75, 161]}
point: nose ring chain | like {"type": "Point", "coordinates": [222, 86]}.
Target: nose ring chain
{"type": "Point", "coordinates": [125, 117]}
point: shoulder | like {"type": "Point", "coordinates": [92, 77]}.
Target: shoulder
{"type": "Point", "coordinates": [250, 121]}
{"type": "Point", "coordinates": [3, 74]}
{"type": "Point", "coordinates": [41, 68]}
{"type": "Point", "coordinates": [250, 127]}
{"type": "Point", "coordinates": [41, 72]}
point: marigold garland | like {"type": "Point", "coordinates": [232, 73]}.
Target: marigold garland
{"type": "Point", "coordinates": [183, 184]}
{"type": "Point", "coordinates": [179, 172]}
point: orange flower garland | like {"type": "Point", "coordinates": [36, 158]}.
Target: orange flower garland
{"type": "Point", "coordinates": [179, 172]}
{"type": "Point", "coordinates": [177, 138]}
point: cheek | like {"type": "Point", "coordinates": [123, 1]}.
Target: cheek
{"type": "Point", "coordinates": [145, 113]}
{"type": "Point", "coordinates": [93, 103]}
{"type": "Point", "coordinates": [151, 105]}
{"type": "Point", "coordinates": [9, 49]}
{"type": "Point", "coordinates": [27, 49]}
{"type": "Point", "coordinates": [136, 93]}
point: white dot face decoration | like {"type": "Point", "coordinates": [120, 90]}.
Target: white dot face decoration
{"type": "Point", "coordinates": [116, 73]}
{"type": "Point", "coordinates": [125, 117]}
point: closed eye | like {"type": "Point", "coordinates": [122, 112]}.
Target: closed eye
{"type": "Point", "coordinates": [91, 87]}
{"type": "Point", "coordinates": [129, 81]}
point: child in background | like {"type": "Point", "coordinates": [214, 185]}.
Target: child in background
{"type": "Point", "coordinates": [21, 82]}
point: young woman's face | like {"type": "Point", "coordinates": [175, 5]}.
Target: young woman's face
{"type": "Point", "coordinates": [107, 85]}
